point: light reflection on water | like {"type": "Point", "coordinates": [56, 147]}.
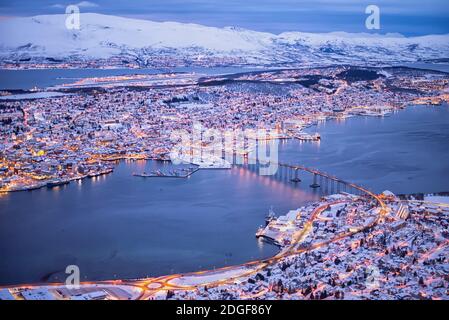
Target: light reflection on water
{"type": "Point", "coordinates": [126, 227]}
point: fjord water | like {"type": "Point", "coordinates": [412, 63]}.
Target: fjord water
{"type": "Point", "coordinates": [120, 226]}
{"type": "Point", "coordinates": [407, 152]}
{"type": "Point", "coordinates": [43, 78]}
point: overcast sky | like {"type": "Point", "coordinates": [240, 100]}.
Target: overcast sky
{"type": "Point", "coordinates": [409, 17]}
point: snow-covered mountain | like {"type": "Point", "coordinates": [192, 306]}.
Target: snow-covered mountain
{"type": "Point", "coordinates": [105, 37]}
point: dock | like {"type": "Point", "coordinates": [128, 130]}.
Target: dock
{"type": "Point", "coordinates": [159, 174]}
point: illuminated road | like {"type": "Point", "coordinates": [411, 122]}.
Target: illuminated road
{"type": "Point", "coordinates": [228, 275]}
{"type": "Point", "coordinates": [253, 267]}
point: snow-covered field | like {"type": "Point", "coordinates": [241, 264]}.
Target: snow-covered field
{"type": "Point", "coordinates": [37, 95]}
{"type": "Point", "coordinates": [437, 199]}
{"type": "Point", "coordinates": [210, 277]}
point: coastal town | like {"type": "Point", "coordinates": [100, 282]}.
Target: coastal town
{"type": "Point", "coordinates": [221, 158]}
{"type": "Point", "coordinates": [403, 256]}
{"type": "Point", "coordinates": [80, 130]}
{"type": "Point", "coordinates": [350, 244]}
{"type": "Point", "coordinates": [342, 247]}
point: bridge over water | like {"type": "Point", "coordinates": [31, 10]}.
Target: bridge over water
{"type": "Point", "coordinates": [319, 181]}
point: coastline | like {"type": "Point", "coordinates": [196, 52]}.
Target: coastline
{"type": "Point", "coordinates": [311, 124]}
{"type": "Point", "coordinates": [284, 252]}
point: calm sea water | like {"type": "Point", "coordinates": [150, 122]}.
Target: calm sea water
{"type": "Point", "coordinates": [43, 78]}
{"type": "Point", "coordinates": [126, 227]}
{"type": "Point", "coordinates": [131, 227]}
{"type": "Point", "coordinates": [429, 66]}
{"type": "Point", "coordinates": [407, 152]}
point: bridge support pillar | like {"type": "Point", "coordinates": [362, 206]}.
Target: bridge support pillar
{"type": "Point", "coordinates": [296, 178]}
{"type": "Point", "coordinates": [314, 184]}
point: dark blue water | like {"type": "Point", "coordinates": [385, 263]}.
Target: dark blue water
{"type": "Point", "coordinates": [43, 78]}
{"type": "Point", "coordinates": [132, 227]}
{"type": "Point", "coordinates": [126, 227]}
{"type": "Point", "coordinates": [428, 66]}
{"type": "Point", "coordinates": [407, 152]}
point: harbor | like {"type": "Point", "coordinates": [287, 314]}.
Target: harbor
{"type": "Point", "coordinates": [114, 197]}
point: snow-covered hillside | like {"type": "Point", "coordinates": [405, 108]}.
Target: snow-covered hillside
{"type": "Point", "coordinates": [142, 41]}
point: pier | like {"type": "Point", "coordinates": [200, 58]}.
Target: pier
{"type": "Point", "coordinates": [174, 174]}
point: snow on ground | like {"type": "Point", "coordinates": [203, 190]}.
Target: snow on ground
{"type": "Point", "coordinates": [103, 36]}
{"type": "Point", "coordinates": [122, 292]}
{"type": "Point", "coordinates": [37, 95]}
{"type": "Point", "coordinates": [437, 199]}
{"type": "Point", "coordinates": [210, 277]}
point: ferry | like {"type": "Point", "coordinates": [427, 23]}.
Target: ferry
{"type": "Point", "coordinates": [56, 183]}
{"type": "Point", "coordinates": [260, 231]}
{"type": "Point", "coordinates": [100, 173]}
{"type": "Point", "coordinates": [270, 216]}
{"type": "Point", "coordinates": [308, 137]}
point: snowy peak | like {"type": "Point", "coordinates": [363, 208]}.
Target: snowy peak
{"type": "Point", "coordinates": [97, 30]}
{"type": "Point", "coordinates": [104, 37]}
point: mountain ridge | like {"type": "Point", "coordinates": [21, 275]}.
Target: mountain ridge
{"type": "Point", "coordinates": [105, 37]}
